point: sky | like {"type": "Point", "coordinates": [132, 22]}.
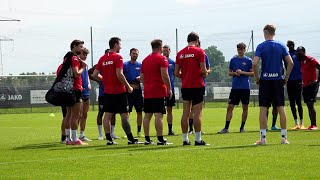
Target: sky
{"type": "Point", "coordinates": [47, 27]}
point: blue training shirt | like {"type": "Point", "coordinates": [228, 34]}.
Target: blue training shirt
{"type": "Point", "coordinates": [85, 82]}
{"type": "Point", "coordinates": [131, 71]}
{"type": "Point", "coordinates": [207, 67]}
{"type": "Point", "coordinates": [101, 89]}
{"type": "Point", "coordinates": [171, 72]}
{"type": "Point", "coordinates": [296, 73]}
{"type": "Point", "coordinates": [244, 64]}
{"type": "Point", "coordinates": [272, 54]}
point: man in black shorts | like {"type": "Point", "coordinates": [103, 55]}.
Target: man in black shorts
{"type": "Point", "coordinates": [240, 68]}
{"type": "Point", "coordinates": [156, 82]}
{"type": "Point", "coordinates": [115, 87]}
{"type": "Point", "coordinates": [170, 102]}
{"type": "Point", "coordinates": [271, 81]}
{"type": "Point", "coordinates": [309, 66]}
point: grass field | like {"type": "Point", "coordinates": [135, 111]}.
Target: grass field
{"type": "Point", "coordinates": [30, 149]}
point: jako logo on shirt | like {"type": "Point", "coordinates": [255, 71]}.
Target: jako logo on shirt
{"type": "Point", "coordinates": [186, 56]}
{"type": "Point", "coordinates": [270, 75]}
{"type": "Point", "coordinates": [106, 63]}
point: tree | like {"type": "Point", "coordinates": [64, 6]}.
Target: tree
{"type": "Point", "coordinates": [217, 65]}
{"type": "Point", "coordinates": [215, 56]}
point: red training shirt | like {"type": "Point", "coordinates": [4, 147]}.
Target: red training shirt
{"type": "Point", "coordinates": [107, 66]}
{"type": "Point", "coordinates": [151, 66]}
{"type": "Point", "coordinates": [77, 84]}
{"type": "Point", "coordinates": [308, 68]}
{"type": "Point", "coordinates": [189, 60]}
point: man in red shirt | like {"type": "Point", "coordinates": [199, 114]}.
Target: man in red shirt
{"type": "Point", "coordinates": [309, 65]}
{"type": "Point", "coordinates": [191, 68]}
{"type": "Point", "coordinates": [72, 116]}
{"type": "Point", "coordinates": [155, 78]}
{"type": "Point", "coordinates": [110, 66]}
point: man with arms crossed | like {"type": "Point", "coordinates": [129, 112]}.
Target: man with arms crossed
{"type": "Point", "coordinates": [191, 68]}
{"type": "Point", "coordinates": [115, 98]}
{"type": "Point", "coordinates": [156, 82]}
{"type": "Point", "coordinates": [294, 87]}
{"type": "Point", "coordinates": [240, 68]}
{"type": "Point", "coordinates": [170, 102]}
{"type": "Point", "coordinates": [131, 70]}
{"type": "Point", "coordinates": [271, 82]}
{"type": "Point", "coordinates": [309, 66]}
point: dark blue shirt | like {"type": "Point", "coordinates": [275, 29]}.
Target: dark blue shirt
{"type": "Point", "coordinates": [171, 72]}
{"type": "Point", "coordinates": [101, 89]}
{"type": "Point", "coordinates": [244, 64]}
{"type": "Point", "coordinates": [272, 54]}
{"type": "Point", "coordinates": [131, 71]}
{"type": "Point", "coordinates": [85, 82]}
{"type": "Point", "coordinates": [207, 67]}
{"type": "Point", "coordinates": [296, 73]}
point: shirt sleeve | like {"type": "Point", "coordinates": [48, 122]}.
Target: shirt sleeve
{"type": "Point", "coordinates": [314, 62]}
{"type": "Point", "coordinates": [202, 56]}
{"type": "Point", "coordinates": [75, 61]}
{"type": "Point", "coordinates": [99, 65]}
{"type": "Point", "coordinates": [285, 51]}
{"type": "Point", "coordinates": [207, 62]}
{"type": "Point", "coordinates": [250, 64]}
{"type": "Point", "coordinates": [258, 51]}
{"type": "Point", "coordinates": [164, 62]}
{"type": "Point", "coordinates": [178, 59]}
{"type": "Point", "coordinates": [119, 62]}
{"type": "Point", "coordinates": [231, 64]}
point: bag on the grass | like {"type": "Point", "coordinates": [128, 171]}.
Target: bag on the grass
{"type": "Point", "coordinates": [62, 93]}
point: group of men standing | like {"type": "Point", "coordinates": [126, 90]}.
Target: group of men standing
{"type": "Point", "coordinates": [120, 87]}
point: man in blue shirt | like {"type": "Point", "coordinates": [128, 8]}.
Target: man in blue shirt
{"type": "Point", "coordinates": [85, 96]}
{"type": "Point", "coordinates": [240, 68]}
{"type": "Point", "coordinates": [170, 102]}
{"type": "Point", "coordinates": [294, 87]}
{"type": "Point", "coordinates": [271, 81]}
{"type": "Point", "coordinates": [131, 70]}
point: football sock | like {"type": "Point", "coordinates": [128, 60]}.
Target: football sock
{"type": "Point", "coordinates": [112, 129]}
{"type": "Point", "coordinates": [274, 121]}
{"type": "Point", "coordinates": [198, 136]}
{"type": "Point", "coordinates": [63, 137]}
{"type": "Point", "coordinates": [296, 121]}
{"type": "Point", "coordinates": [191, 124]}
{"type": "Point", "coordinates": [227, 125]}
{"type": "Point", "coordinates": [263, 133]}
{"type": "Point", "coordinates": [139, 128]}
{"type": "Point", "coordinates": [74, 135]}
{"type": "Point", "coordinates": [170, 127]}
{"type": "Point", "coordinates": [68, 132]}
{"type": "Point", "coordinates": [160, 138]}
{"type": "Point", "coordinates": [185, 137]}
{"type": "Point", "coordinates": [108, 137]}
{"type": "Point", "coordinates": [284, 133]}
{"type": "Point", "coordinates": [242, 125]}
{"type": "Point", "coordinates": [147, 138]}
{"type": "Point", "coordinates": [100, 130]}
{"type": "Point", "coordinates": [81, 134]}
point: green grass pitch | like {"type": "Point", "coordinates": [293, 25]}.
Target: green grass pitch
{"type": "Point", "coordinates": [30, 149]}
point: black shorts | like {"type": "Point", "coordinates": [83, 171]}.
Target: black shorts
{"type": "Point", "coordinates": [271, 91]}
{"type": "Point", "coordinates": [310, 93]}
{"type": "Point", "coordinates": [171, 102]}
{"type": "Point", "coordinates": [294, 89]}
{"type": "Point", "coordinates": [116, 103]}
{"type": "Point", "coordinates": [135, 99]}
{"type": "Point", "coordinates": [195, 95]}
{"type": "Point", "coordinates": [64, 111]}
{"type": "Point", "coordinates": [78, 95]}
{"type": "Point", "coordinates": [85, 98]}
{"type": "Point", "coordinates": [101, 102]}
{"type": "Point", "coordinates": [237, 95]}
{"type": "Point", "coordinates": [154, 105]}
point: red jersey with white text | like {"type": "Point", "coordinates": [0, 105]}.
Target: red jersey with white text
{"type": "Point", "coordinates": [107, 66]}
{"type": "Point", "coordinates": [154, 87]}
{"type": "Point", "coordinates": [189, 60]}
{"type": "Point", "coordinates": [308, 68]}
{"type": "Point", "coordinates": [77, 85]}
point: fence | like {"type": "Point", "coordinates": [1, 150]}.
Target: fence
{"type": "Point", "coordinates": [27, 94]}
